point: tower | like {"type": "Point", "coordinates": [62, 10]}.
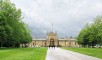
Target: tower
{"type": "Point", "coordinates": [52, 38]}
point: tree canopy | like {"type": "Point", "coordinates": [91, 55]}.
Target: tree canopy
{"type": "Point", "coordinates": [91, 34]}
{"type": "Point", "coordinates": [13, 31]}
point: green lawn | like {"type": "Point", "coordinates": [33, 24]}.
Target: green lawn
{"type": "Point", "coordinates": [23, 54]}
{"type": "Point", "coordinates": [96, 52]}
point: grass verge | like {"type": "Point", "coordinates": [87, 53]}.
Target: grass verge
{"type": "Point", "coordinates": [95, 52]}
{"type": "Point", "coordinates": [23, 54]}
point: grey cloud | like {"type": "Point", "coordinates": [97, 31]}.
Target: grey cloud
{"type": "Point", "coordinates": [67, 16]}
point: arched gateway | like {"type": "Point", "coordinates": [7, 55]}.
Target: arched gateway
{"type": "Point", "coordinates": [52, 42]}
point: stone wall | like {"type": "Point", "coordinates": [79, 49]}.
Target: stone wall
{"type": "Point", "coordinates": [46, 43]}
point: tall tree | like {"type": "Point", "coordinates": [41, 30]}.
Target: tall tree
{"type": "Point", "coordinates": [91, 34]}
{"type": "Point", "coordinates": [12, 29]}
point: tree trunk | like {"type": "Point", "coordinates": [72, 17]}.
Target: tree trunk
{"type": "Point", "coordinates": [92, 45]}
{"type": "Point", "coordinates": [22, 45]}
{"type": "Point", "coordinates": [1, 45]}
{"type": "Point", "coordinates": [14, 45]}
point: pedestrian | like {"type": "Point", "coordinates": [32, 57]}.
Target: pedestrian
{"type": "Point", "coordinates": [54, 46]}
{"type": "Point", "coordinates": [49, 46]}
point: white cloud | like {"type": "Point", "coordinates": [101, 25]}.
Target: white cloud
{"type": "Point", "coordinates": [68, 16]}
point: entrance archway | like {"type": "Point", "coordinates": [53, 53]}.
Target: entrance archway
{"type": "Point", "coordinates": [52, 42]}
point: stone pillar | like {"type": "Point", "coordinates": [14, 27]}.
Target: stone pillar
{"type": "Point", "coordinates": [65, 44]}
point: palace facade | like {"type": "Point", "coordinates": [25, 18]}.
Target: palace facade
{"type": "Point", "coordinates": [52, 39]}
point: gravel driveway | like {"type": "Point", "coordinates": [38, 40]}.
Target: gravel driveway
{"type": "Point", "coordinates": [61, 54]}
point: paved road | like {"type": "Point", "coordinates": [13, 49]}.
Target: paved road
{"type": "Point", "coordinates": [61, 54]}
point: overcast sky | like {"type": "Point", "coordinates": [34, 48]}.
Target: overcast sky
{"type": "Point", "coordinates": [67, 16]}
